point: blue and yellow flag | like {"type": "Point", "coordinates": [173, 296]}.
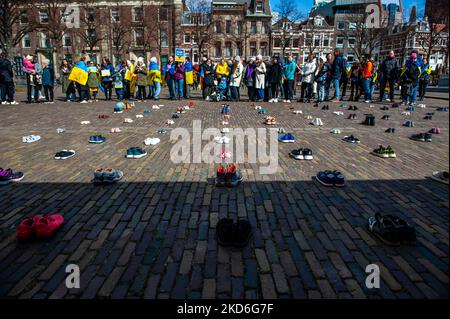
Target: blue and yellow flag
{"type": "Point", "coordinates": [79, 73]}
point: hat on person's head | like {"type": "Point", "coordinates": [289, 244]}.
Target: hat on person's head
{"type": "Point", "coordinates": [154, 60]}
{"type": "Point", "coordinates": [237, 59]}
{"type": "Point", "coordinates": [252, 58]}
{"type": "Point", "coordinates": [259, 57]}
{"type": "Point", "coordinates": [205, 59]}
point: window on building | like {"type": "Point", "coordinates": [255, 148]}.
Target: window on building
{"type": "Point", "coordinates": [340, 42]}
{"type": "Point", "coordinates": [69, 58]}
{"type": "Point", "coordinates": [264, 48]}
{"type": "Point", "coordinates": [228, 27]}
{"type": "Point", "coordinates": [317, 40]}
{"type": "Point", "coordinates": [265, 28]}
{"type": "Point", "coordinates": [253, 51]}
{"type": "Point", "coordinates": [308, 40]}
{"type": "Point", "coordinates": [187, 38]}
{"type": "Point", "coordinates": [296, 43]}
{"type": "Point", "coordinates": [139, 37]}
{"type": "Point", "coordinates": [228, 49]}
{"type": "Point", "coordinates": [253, 28]}
{"type": "Point", "coordinates": [164, 14]}
{"type": "Point", "coordinates": [351, 42]}
{"type": "Point", "coordinates": [350, 58]}
{"type": "Point", "coordinates": [239, 28]}
{"type": "Point", "coordinates": [26, 42]}
{"type": "Point", "coordinates": [44, 41]}
{"type": "Point", "coordinates": [138, 14]}
{"type": "Point", "coordinates": [43, 16]}
{"type": "Point", "coordinates": [115, 15]}
{"type": "Point", "coordinates": [352, 26]}
{"type": "Point", "coordinates": [164, 39]}
{"type": "Point", "coordinates": [67, 41]}
{"type": "Point", "coordinates": [277, 43]}
{"type": "Point", "coordinates": [218, 27]}
{"type": "Point", "coordinates": [23, 17]}
{"type": "Point", "coordinates": [90, 15]}
{"type": "Point", "coordinates": [218, 49]}
{"type": "Point", "coordinates": [341, 25]}
{"type": "Point", "coordinates": [259, 6]}
{"type": "Point", "coordinates": [239, 49]}
{"type": "Point", "coordinates": [318, 21]}
{"type": "Point", "coordinates": [326, 40]}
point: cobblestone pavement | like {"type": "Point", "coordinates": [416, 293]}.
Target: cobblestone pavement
{"type": "Point", "coordinates": [153, 234]}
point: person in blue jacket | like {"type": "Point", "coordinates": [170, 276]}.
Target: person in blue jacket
{"type": "Point", "coordinates": [48, 80]}
{"type": "Point", "coordinates": [106, 72]}
{"type": "Point", "coordinates": [169, 75]}
{"type": "Point", "coordinates": [337, 69]}
{"type": "Point", "coordinates": [289, 76]}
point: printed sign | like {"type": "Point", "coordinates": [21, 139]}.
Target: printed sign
{"type": "Point", "coordinates": [179, 55]}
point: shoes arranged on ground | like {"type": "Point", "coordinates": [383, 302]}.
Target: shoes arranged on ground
{"type": "Point", "coordinates": [386, 117]}
{"type": "Point", "coordinates": [103, 116]}
{"type": "Point", "coordinates": [442, 177]}
{"type": "Point", "coordinates": [390, 130]}
{"type": "Point", "coordinates": [222, 140]}
{"type": "Point", "coordinates": [236, 234]}
{"type": "Point", "coordinates": [384, 152]}
{"type": "Point", "coordinates": [40, 227]}
{"type": "Point", "coordinates": [442, 109]}
{"type": "Point", "coordinates": [352, 116]}
{"type": "Point", "coordinates": [170, 122]}
{"type": "Point", "coordinates": [225, 155]}
{"type": "Point", "coordinates": [9, 176]}
{"type": "Point", "coordinates": [330, 178]}
{"type": "Point", "coordinates": [64, 154]}
{"type": "Point", "coordinates": [262, 111]}
{"type": "Point", "coordinates": [422, 137]}
{"type": "Point", "coordinates": [136, 152]}
{"type": "Point", "coordinates": [147, 111]}
{"type": "Point", "coordinates": [338, 113]}
{"type": "Point", "coordinates": [422, 106]}
{"type": "Point", "coordinates": [385, 108]}
{"type": "Point", "coordinates": [428, 117]}
{"type": "Point", "coordinates": [409, 123]}
{"type": "Point", "coordinates": [60, 130]}
{"type": "Point", "coordinates": [317, 122]}
{"type": "Point", "coordinates": [435, 130]}
{"type": "Point", "coordinates": [175, 116]}
{"type": "Point", "coordinates": [297, 112]}
{"type": "Point", "coordinates": [225, 109]}
{"type": "Point", "coordinates": [351, 139]}
{"type": "Point", "coordinates": [308, 117]}
{"type": "Point", "coordinates": [115, 130]}
{"type": "Point", "coordinates": [139, 116]}
{"type": "Point", "coordinates": [85, 122]}
{"type": "Point", "coordinates": [151, 141]}
{"type": "Point", "coordinates": [228, 175]}
{"type": "Point", "coordinates": [270, 120]}
{"type": "Point", "coordinates": [352, 108]}
{"type": "Point", "coordinates": [392, 230]}
{"type": "Point", "coordinates": [370, 120]}
{"type": "Point", "coordinates": [326, 107]}
{"type": "Point", "coordinates": [407, 113]}
{"type": "Point", "coordinates": [287, 138]}
{"type": "Point", "coordinates": [335, 131]}
{"type": "Point", "coordinates": [128, 120]}
{"type": "Point", "coordinates": [107, 176]}
{"type": "Point", "coordinates": [224, 130]}
{"type": "Point", "coordinates": [302, 154]}
{"type": "Point", "coordinates": [97, 139]}
{"type": "Point", "coordinates": [281, 131]}
{"type": "Point", "coordinates": [411, 108]}
{"type": "Point", "coordinates": [30, 138]}
{"type": "Point", "coordinates": [162, 131]}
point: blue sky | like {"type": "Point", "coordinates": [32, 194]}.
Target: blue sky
{"type": "Point", "coordinates": [305, 5]}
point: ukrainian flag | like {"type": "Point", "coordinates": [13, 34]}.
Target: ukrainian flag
{"type": "Point", "coordinates": [79, 73]}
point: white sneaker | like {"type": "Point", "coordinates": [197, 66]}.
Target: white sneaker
{"type": "Point", "coordinates": [275, 100]}
{"type": "Point", "coordinates": [367, 101]}
{"type": "Point", "coordinates": [85, 122]}
{"type": "Point", "coordinates": [151, 141]}
{"type": "Point", "coordinates": [225, 130]}
{"type": "Point", "coordinates": [317, 122]}
{"type": "Point", "coordinates": [4, 103]}
{"type": "Point", "coordinates": [388, 100]}
{"type": "Point", "coordinates": [271, 101]}
{"type": "Point", "coordinates": [84, 102]}
{"type": "Point", "coordinates": [288, 101]}
{"type": "Point", "coordinates": [127, 120]}
{"type": "Point", "coordinates": [14, 103]}
{"type": "Point", "coordinates": [225, 140]}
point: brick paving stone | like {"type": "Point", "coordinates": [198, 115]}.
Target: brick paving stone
{"type": "Point", "coordinates": [152, 235]}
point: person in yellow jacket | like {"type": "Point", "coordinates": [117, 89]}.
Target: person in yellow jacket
{"type": "Point", "coordinates": [222, 69]}
{"type": "Point", "coordinates": [128, 80]}
{"type": "Point", "coordinates": [154, 79]}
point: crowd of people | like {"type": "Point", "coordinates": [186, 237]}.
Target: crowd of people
{"type": "Point", "coordinates": [319, 79]}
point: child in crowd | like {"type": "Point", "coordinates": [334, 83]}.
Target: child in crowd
{"type": "Point", "coordinates": [93, 80]}
{"type": "Point", "coordinates": [141, 81]}
{"type": "Point", "coordinates": [118, 79]}
{"type": "Point", "coordinates": [154, 75]}
{"type": "Point", "coordinates": [48, 80]}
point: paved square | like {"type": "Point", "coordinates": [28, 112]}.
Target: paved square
{"type": "Point", "coordinates": [153, 234]}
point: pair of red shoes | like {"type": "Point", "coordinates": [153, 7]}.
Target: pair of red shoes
{"type": "Point", "coordinates": [40, 227]}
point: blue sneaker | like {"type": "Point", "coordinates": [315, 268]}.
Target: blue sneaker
{"type": "Point", "coordinates": [136, 152]}
{"type": "Point", "coordinates": [262, 111]}
{"type": "Point", "coordinates": [97, 139]}
{"type": "Point", "coordinates": [287, 138]}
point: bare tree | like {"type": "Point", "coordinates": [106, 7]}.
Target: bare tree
{"type": "Point", "coordinates": [91, 21]}
{"type": "Point", "coordinates": [288, 14]}
{"type": "Point", "coordinates": [199, 17]}
{"type": "Point", "coordinates": [120, 30]}
{"type": "Point", "coordinates": [151, 29]}
{"type": "Point", "coordinates": [434, 39]}
{"type": "Point", "coordinates": [11, 30]}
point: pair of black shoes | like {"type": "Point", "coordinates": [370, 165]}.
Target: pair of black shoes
{"type": "Point", "coordinates": [370, 120]}
{"type": "Point", "coordinates": [229, 233]}
{"type": "Point", "coordinates": [175, 116]}
{"type": "Point", "coordinates": [392, 230]}
{"type": "Point", "coordinates": [395, 106]}
{"type": "Point", "coordinates": [385, 108]}
{"type": "Point", "coordinates": [386, 117]}
{"type": "Point", "coordinates": [352, 116]}
{"type": "Point", "coordinates": [428, 116]}
{"type": "Point", "coordinates": [390, 130]}
{"type": "Point", "coordinates": [352, 108]}
{"type": "Point", "coordinates": [326, 107]}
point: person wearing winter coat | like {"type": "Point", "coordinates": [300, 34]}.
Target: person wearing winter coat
{"type": "Point", "coordinates": [320, 78]}
{"type": "Point", "coordinates": [188, 77]}
{"type": "Point", "coordinates": [222, 70]}
{"type": "Point", "coordinates": [154, 79]}
{"type": "Point", "coordinates": [106, 71]}
{"type": "Point", "coordinates": [355, 81]}
{"type": "Point", "coordinates": [207, 71]}
{"type": "Point", "coordinates": [68, 87]}
{"type": "Point", "coordinates": [236, 79]}
{"type": "Point", "coordinates": [307, 73]}
{"type": "Point", "coordinates": [410, 76]}
{"type": "Point", "coordinates": [179, 79]}
{"type": "Point", "coordinates": [48, 80]}
{"type": "Point", "coordinates": [169, 76]}
{"type": "Point", "coordinates": [367, 76]}
{"type": "Point", "coordinates": [249, 79]}
{"type": "Point", "coordinates": [289, 77]}
{"type": "Point", "coordinates": [6, 80]}
{"type": "Point", "coordinates": [274, 79]}
{"type": "Point", "coordinates": [338, 67]}
{"type": "Point", "coordinates": [389, 71]}
{"type": "Point", "coordinates": [93, 80]}
{"type": "Point", "coordinates": [260, 77]}
{"type": "Point", "coordinates": [424, 79]}
{"type": "Point", "coordinates": [141, 74]}
{"type": "Point", "coordinates": [28, 69]}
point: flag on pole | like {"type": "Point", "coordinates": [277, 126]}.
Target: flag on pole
{"type": "Point", "coordinates": [79, 73]}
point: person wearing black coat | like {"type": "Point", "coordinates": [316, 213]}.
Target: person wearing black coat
{"type": "Point", "coordinates": [276, 72]}
{"type": "Point", "coordinates": [6, 80]}
{"type": "Point", "coordinates": [389, 72]}
{"type": "Point", "coordinates": [207, 69]}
